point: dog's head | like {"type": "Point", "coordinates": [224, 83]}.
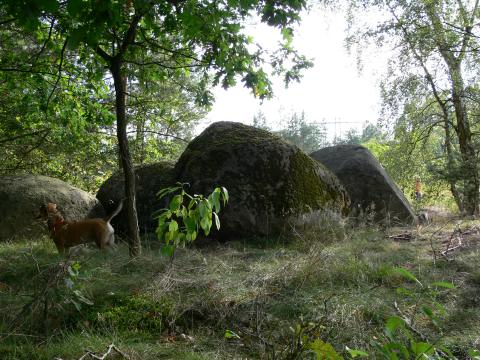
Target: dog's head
{"type": "Point", "coordinates": [46, 210]}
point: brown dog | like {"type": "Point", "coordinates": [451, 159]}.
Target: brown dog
{"type": "Point", "coordinates": [66, 234]}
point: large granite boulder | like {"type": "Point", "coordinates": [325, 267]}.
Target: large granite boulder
{"type": "Point", "coordinates": [149, 179]}
{"type": "Point", "coordinates": [270, 182]}
{"type": "Point", "coordinates": [22, 195]}
{"type": "Point", "coordinates": [370, 188]}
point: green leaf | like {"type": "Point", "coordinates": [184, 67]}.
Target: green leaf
{"type": "Point", "coordinates": [444, 284]}
{"type": "Point", "coordinates": [205, 224]}
{"type": "Point", "coordinates": [394, 348]}
{"type": "Point", "coordinates": [229, 334]}
{"type": "Point", "coordinates": [324, 351]}
{"type": "Point", "coordinates": [427, 311]}
{"type": "Point", "coordinates": [225, 196]}
{"type": "Point", "coordinates": [160, 231]}
{"type": "Point", "coordinates": [356, 353]}
{"type": "Point", "coordinates": [202, 209]}
{"type": "Point", "coordinates": [176, 202]}
{"type": "Point", "coordinates": [173, 226]}
{"type": "Point", "coordinates": [214, 200]}
{"type": "Point", "coordinates": [50, 5]}
{"type": "Point", "coordinates": [474, 354]}
{"type": "Point", "coordinates": [167, 191]}
{"type": "Point", "coordinates": [393, 323]}
{"type": "Point", "coordinates": [190, 224]}
{"type": "Point", "coordinates": [191, 236]}
{"type": "Point", "coordinates": [217, 221]}
{"type": "Point", "coordinates": [168, 250]}
{"type": "Point", "coordinates": [77, 305]}
{"type": "Point", "coordinates": [406, 274]}
{"type": "Point", "coordinates": [76, 36]}
{"type": "Point", "coordinates": [421, 348]}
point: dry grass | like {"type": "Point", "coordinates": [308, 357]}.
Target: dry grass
{"type": "Point", "coordinates": [345, 287]}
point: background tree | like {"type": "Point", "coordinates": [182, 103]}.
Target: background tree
{"type": "Point", "coordinates": [260, 121]}
{"type": "Point", "coordinates": [439, 38]}
{"type": "Point", "coordinates": [307, 136]}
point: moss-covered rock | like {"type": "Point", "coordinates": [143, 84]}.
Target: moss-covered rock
{"type": "Point", "coordinates": [149, 179]}
{"type": "Point", "coordinates": [371, 189]}
{"type": "Point", "coordinates": [270, 181]}
{"type": "Point", "coordinates": [22, 195]}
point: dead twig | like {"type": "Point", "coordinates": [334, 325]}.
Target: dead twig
{"type": "Point", "coordinates": [408, 236]}
{"type": "Point", "coordinates": [408, 322]}
{"type": "Point", "coordinates": [92, 355]}
{"type": "Point", "coordinates": [456, 235]}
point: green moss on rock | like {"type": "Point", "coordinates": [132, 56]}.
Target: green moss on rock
{"type": "Point", "coordinates": [269, 180]}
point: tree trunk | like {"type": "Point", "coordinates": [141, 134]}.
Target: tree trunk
{"type": "Point", "coordinates": [451, 171]}
{"type": "Point", "coordinates": [453, 61]}
{"type": "Point", "coordinates": [467, 149]}
{"type": "Point", "coordinates": [120, 82]}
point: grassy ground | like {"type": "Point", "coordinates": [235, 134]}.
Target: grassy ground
{"type": "Point", "coordinates": [271, 298]}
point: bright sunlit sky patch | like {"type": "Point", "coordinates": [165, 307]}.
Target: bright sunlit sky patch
{"type": "Point", "coordinates": [332, 91]}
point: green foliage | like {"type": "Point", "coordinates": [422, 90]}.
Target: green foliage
{"type": "Point", "coordinates": [180, 224]}
{"type": "Point", "coordinates": [57, 93]}
{"type": "Point", "coordinates": [134, 313]}
{"type": "Point", "coordinates": [324, 351]}
{"type": "Point", "coordinates": [74, 285]}
{"type": "Point", "coordinates": [177, 37]}
{"type": "Point", "coordinates": [370, 133]}
{"type": "Point", "coordinates": [405, 159]}
{"type": "Point", "coordinates": [65, 129]}
{"type": "Point", "coordinates": [400, 339]}
{"type": "Point", "coordinates": [426, 94]}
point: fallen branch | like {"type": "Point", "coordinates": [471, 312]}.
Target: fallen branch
{"type": "Point", "coordinates": [445, 252]}
{"type": "Point", "coordinates": [402, 237]}
{"type": "Point", "coordinates": [92, 355]}
{"type": "Point", "coordinates": [408, 322]}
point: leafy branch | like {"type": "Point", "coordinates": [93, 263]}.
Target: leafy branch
{"type": "Point", "coordinates": [180, 224]}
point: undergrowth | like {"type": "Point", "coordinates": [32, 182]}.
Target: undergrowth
{"type": "Point", "coordinates": [237, 300]}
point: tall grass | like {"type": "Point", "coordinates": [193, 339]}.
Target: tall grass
{"type": "Point", "coordinates": [151, 308]}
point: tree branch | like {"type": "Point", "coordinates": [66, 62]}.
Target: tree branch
{"type": "Point", "coordinates": [50, 31]}
{"type": "Point", "coordinates": [159, 63]}
{"type": "Point", "coordinates": [13, 138]}
{"type": "Point", "coordinates": [62, 53]}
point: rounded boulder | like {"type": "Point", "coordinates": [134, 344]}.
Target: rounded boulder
{"type": "Point", "coordinates": [371, 189]}
{"type": "Point", "coordinates": [271, 183]}
{"type": "Point", "coordinates": [22, 195]}
{"type": "Point", "coordinates": [149, 179]}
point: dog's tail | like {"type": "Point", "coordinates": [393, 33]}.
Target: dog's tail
{"type": "Point", "coordinates": [115, 212]}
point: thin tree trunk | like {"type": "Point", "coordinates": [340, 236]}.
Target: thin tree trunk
{"type": "Point", "coordinates": [120, 82]}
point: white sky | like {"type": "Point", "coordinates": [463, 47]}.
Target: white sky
{"type": "Point", "coordinates": [333, 90]}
